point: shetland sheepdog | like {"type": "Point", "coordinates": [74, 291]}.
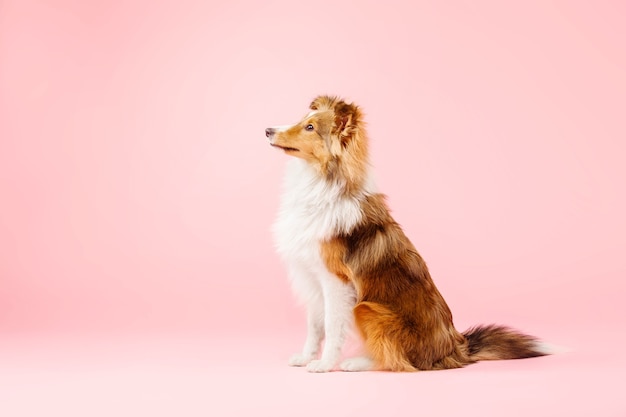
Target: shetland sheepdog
{"type": "Point", "coordinates": [351, 263]}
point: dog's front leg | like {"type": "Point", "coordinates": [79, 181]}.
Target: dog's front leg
{"type": "Point", "coordinates": [314, 335]}
{"type": "Point", "coordinates": [339, 300]}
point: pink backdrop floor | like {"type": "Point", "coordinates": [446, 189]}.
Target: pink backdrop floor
{"type": "Point", "coordinates": [194, 377]}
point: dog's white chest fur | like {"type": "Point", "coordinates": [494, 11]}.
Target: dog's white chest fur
{"type": "Point", "coordinates": [312, 210]}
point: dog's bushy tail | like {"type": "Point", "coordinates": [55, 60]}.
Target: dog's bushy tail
{"type": "Point", "coordinates": [494, 342]}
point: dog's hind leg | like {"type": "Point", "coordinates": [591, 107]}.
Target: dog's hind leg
{"type": "Point", "coordinates": [381, 329]}
{"type": "Point", "coordinates": [357, 364]}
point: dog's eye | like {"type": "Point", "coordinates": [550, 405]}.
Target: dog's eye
{"type": "Point", "coordinates": [309, 127]}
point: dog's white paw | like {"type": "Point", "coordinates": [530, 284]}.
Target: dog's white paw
{"type": "Point", "coordinates": [299, 360]}
{"type": "Point", "coordinates": [319, 366]}
{"type": "Point", "coordinates": [358, 364]}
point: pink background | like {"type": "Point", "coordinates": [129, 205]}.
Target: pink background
{"type": "Point", "coordinates": [137, 274]}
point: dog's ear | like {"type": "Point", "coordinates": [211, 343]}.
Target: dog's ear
{"type": "Point", "coordinates": [322, 103]}
{"type": "Point", "coordinates": [347, 118]}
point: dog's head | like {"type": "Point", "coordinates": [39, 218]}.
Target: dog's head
{"type": "Point", "coordinates": [330, 134]}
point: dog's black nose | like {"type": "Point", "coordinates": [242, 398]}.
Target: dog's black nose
{"type": "Point", "coordinates": [269, 132]}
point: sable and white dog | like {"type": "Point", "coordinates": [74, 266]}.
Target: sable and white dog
{"type": "Point", "coordinates": [350, 262]}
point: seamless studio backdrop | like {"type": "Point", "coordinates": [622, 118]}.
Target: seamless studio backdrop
{"type": "Point", "coordinates": [137, 189]}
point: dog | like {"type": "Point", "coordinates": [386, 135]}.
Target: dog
{"type": "Point", "coordinates": [352, 265]}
